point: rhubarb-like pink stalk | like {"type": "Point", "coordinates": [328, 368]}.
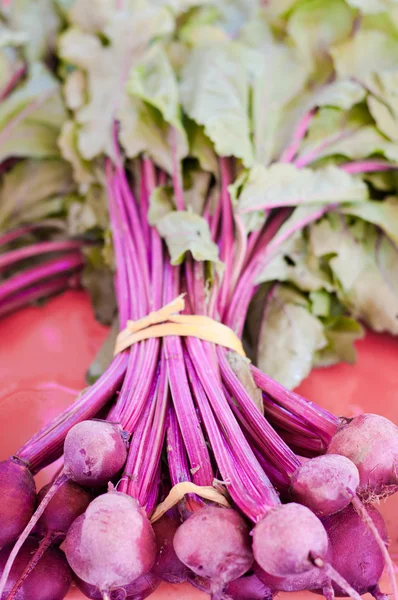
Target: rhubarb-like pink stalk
{"type": "Point", "coordinates": [33, 293]}
{"type": "Point", "coordinates": [14, 79]}
{"type": "Point", "coordinates": [298, 135]}
{"type": "Point", "coordinates": [367, 166]}
{"type": "Point", "coordinates": [69, 262]}
{"type": "Point", "coordinates": [324, 422]}
{"type": "Point", "coordinates": [14, 256]}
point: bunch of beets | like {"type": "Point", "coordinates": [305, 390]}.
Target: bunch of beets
{"type": "Point", "coordinates": [184, 461]}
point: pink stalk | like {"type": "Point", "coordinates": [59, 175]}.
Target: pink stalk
{"type": "Point", "coordinates": [237, 465]}
{"type": "Point", "coordinates": [132, 252]}
{"type": "Point", "coordinates": [191, 431]}
{"type": "Point", "coordinates": [298, 135]}
{"type": "Point", "coordinates": [189, 281]}
{"type": "Point", "coordinates": [194, 274]}
{"type": "Point", "coordinates": [212, 305]}
{"type": "Point", "coordinates": [273, 447]}
{"type": "Point", "coordinates": [275, 243]}
{"type": "Point", "coordinates": [177, 177]}
{"type": "Point", "coordinates": [309, 412]}
{"type": "Point", "coordinates": [142, 466]}
{"type": "Point", "coordinates": [215, 221]}
{"type": "Point", "coordinates": [254, 237]}
{"type": "Point", "coordinates": [275, 204]}
{"type": "Point", "coordinates": [13, 256]}
{"type": "Point", "coordinates": [143, 354]}
{"type": "Point", "coordinates": [190, 428]}
{"type": "Point", "coordinates": [141, 357]}
{"type": "Point", "coordinates": [367, 166]}
{"type": "Point", "coordinates": [239, 254]}
{"type": "Point", "coordinates": [263, 254]}
{"type": "Point", "coordinates": [131, 308]}
{"type": "Point", "coordinates": [122, 278]}
{"type": "Point", "coordinates": [153, 492]}
{"type": "Point", "coordinates": [279, 480]}
{"type": "Point", "coordinates": [236, 314]}
{"type": "Point", "coordinates": [135, 235]}
{"type": "Point", "coordinates": [196, 301]}
{"type": "Point", "coordinates": [308, 447]}
{"type": "Point", "coordinates": [219, 404]}
{"type": "Point", "coordinates": [177, 460]}
{"type": "Point", "coordinates": [156, 295]}
{"type": "Point", "coordinates": [236, 486]}
{"type": "Point", "coordinates": [155, 438]}
{"type": "Point", "coordinates": [26, 112]}
{"type": "Point", "coordinates": [131, 474]}
{"type": "Point", "coordinates": [281, 418]}
{"type": "Point", "coordinates": [143, 208]}
{"type": "Point", "coordinates": [46, 445]}
{"type": "Point", "coordinates": [29, 295]}
{"type": "Point", "coordinates": [14, 79]}
{"type": "Point", "coordinates": [315, 154]}
{"type": "Point", "coordinates": [227, 236]}
{"type": "Point", "coordinates": [14, 234]}
{"type": "Point", "coordinates": [31, 276]}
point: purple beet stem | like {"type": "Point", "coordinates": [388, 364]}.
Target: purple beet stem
{"type": "Point", "coordinates": [31, 276]}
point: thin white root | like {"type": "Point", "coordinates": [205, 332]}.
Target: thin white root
{"type": "Point", "coordinates": [43, 547]}
{"type": "Point", "coordinates": [368, 521]}
{"type": "Point", "coordinates": [217, 593]}
{"type": "Point", "coordinates": [337, 578]}
{"type": "Point", "coordinates": [328, 591]}
{"type": "Point", "coordinates": [378, 594]}
{"type": "Point", "coordinates": [29, 527]}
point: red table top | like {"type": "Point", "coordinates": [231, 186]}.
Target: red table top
{"type": "Point", "coordinates": [45, 352]}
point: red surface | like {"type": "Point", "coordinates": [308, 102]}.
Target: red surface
{"type": "Point", "coordinates": [44, 354]}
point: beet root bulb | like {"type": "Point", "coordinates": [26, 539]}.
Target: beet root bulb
{"type": "Point", "coordinates": [49, 580]}
{"type": "Point", "coordinates": [68, 503]}
{"type": "Point", "coordinates": [17, 499]}
{"type": "Point", "coordinates": [112, 543]}
{"type": "Point", "coordinates": [371, 443]}
{"type": "Point", "coordinates": [215, 543]}
{"type": "Point", "coordinates": [356, 554]}
{"type": "Point", "coordinates": [139, 589]}
{"type": "Point", "coordinates": [313, 579]}
{"type": "Point", "coordinates": [167, 564]}
{"type": "Point", "coordinates": [248, 587]}
{"type": "Point", "coordinates": [288, 539]}
{"type": "Point", "coordinates": [94, 452]}
{"type": "Point", "coordinates": [322, 484]}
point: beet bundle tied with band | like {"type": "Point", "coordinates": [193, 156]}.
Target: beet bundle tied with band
{"type": "Point", "coordinates": [183, 409]}
{"type": "Point", "coordinates": [231, 176]}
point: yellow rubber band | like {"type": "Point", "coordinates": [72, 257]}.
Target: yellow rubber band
{"type": "Point", "coordinates": [186, 487]}
{"type": "Point", "coordinates": [166, 321]}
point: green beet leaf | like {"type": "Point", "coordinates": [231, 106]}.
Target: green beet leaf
{"type": "Point", "coordinates": [289, 337]}
{"type": "Point", "coordinates": [364, 263]}
{"type": "Point", "coordinates": [286, 185]}
{"type": "Point", "coordinates": [187, 232]}
{"type": "Point", "coordinates": [215, 94]}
